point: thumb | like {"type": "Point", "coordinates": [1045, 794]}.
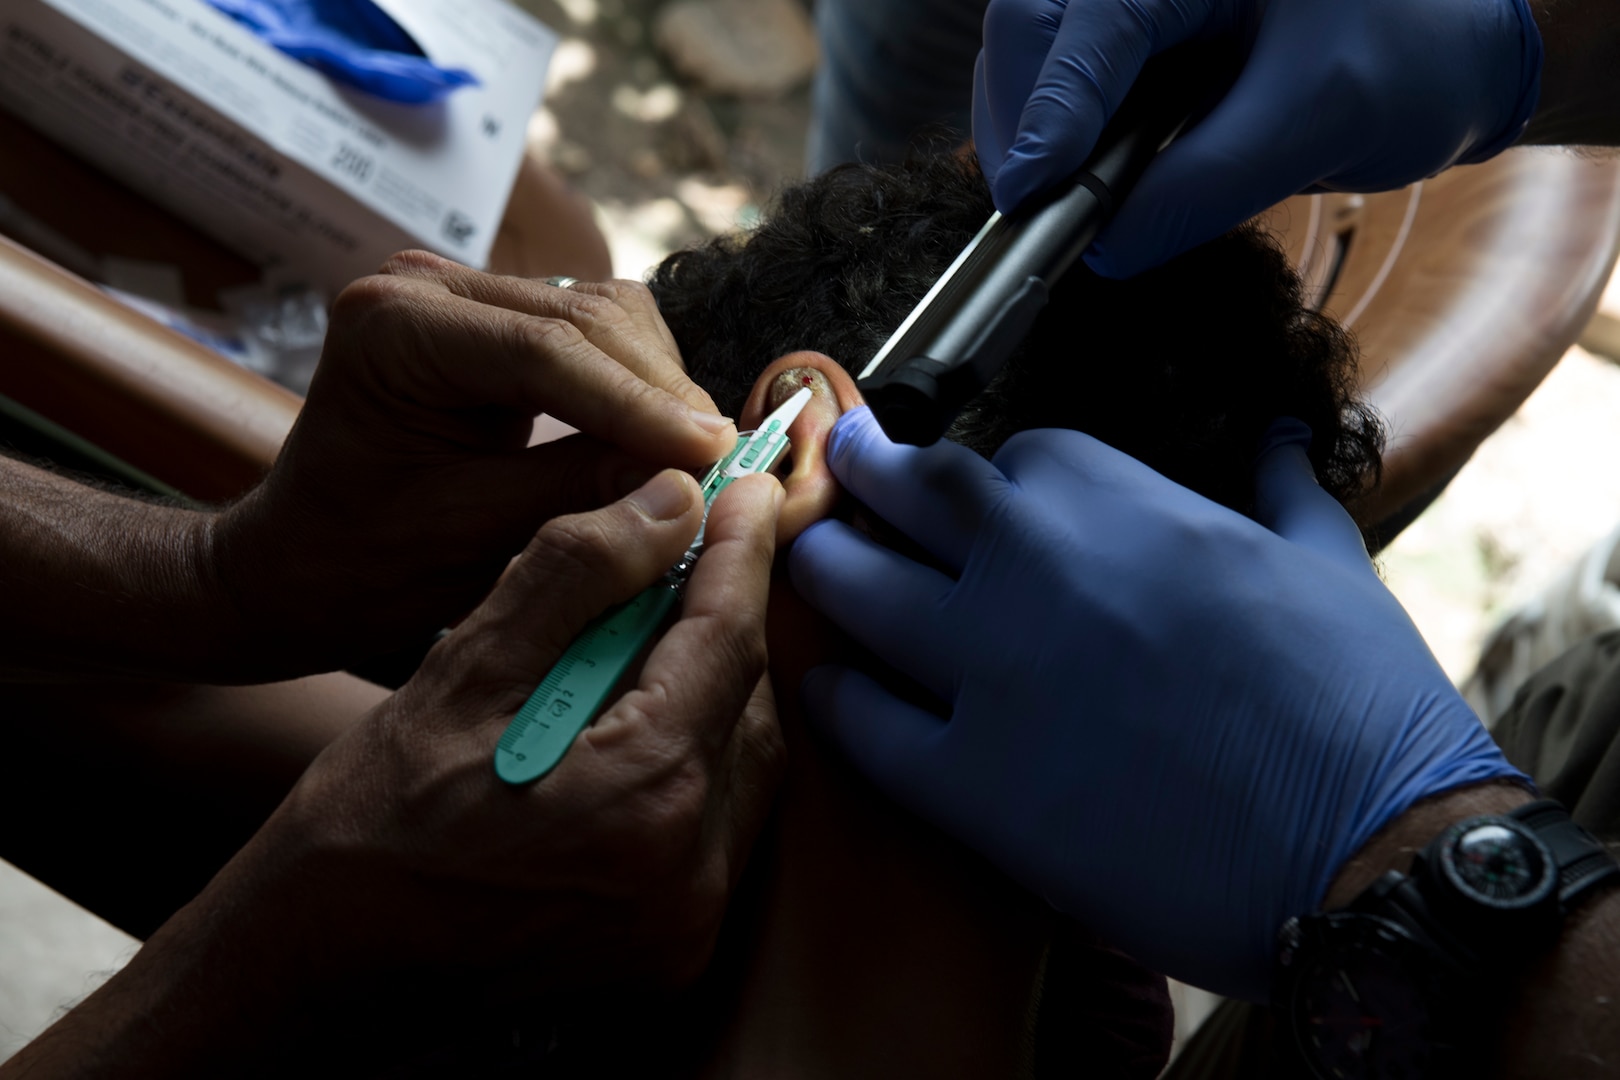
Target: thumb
{"type": "Point", "coordinates": [1289, 501]}
{"type": "Point", "coordinates": [578, 566]}
{"type": "Point", "coordinates": [1052, 75]}
{"type": "Point", "coordinates": [1260, 145]}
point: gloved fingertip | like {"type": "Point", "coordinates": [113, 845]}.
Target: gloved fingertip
{"type": "Point", "coordinates": [817, 691]}
{"type": "Point", "coordinates": [1283, 472]}
{"type": "Point", "coordinates": [806, 550]}
{"type": "Point", "coordinates": [1284, 431]}
{"type": "Point", "coordinates": [1290, 501]}
{"type": "Point", "coordinates": [988, 170]}
{"type": "Point", "coordinates": [854, 430]}
{"type": "Point", "coordinates": [884, 737]}
{"type": "Point", "coordinates": [1104, 262]}
{"type": "Point", "coordinates": [854, 420]}
{"type": "Point", "coordinates": [1113, 256]}
{"type": "Point", "coordinates": [1015, 181]}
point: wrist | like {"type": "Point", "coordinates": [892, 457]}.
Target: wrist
{"type": "Point", "coordinates": [182, 565]}
{"type": "Point", "coordinates": [220, 645]}
{"type": "Point", "coordinates": [100, 583]}
{"type": "Point", "coordinates": [310, 588]}
{"type": "Point", "coordinates": [1462, 961]}
{"type": "Point", "coordinates": [1393, 846]}
{"type": "Point", "coordinates": [175, 625]}
{"type": "Point", "coordinates": [279, 607]}
{"type": "Point", "coordinates": [244, 573]}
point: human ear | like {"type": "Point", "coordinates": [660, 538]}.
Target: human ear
{"type": "Point", "coordinates": [811, 489]}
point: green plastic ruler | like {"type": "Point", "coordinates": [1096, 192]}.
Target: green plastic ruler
{"type": "Point", "coordinates": [585, 676]}
{"type": "Point", "coordinates": [572, 693]}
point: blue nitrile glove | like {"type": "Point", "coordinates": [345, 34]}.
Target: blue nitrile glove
{"type": "Point", "coordinates": [352, 41]}
{"type": "Point", "coordinates": [1172, 722]}
{"type": "Point", "coordinates": [1350, 95]}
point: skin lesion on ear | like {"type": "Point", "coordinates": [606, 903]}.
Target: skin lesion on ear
{"type": "Point", "coordinates": [811, 490]}
{"type": "Point", "coordinates": [791, 381]}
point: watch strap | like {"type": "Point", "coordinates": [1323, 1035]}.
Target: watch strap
{"type": "Point", "coordinates": [1584, 863]}
{"type": "Point", "coordinates": [1465, 974]}
{"type": "Point", "coordinates": [1396, 898]}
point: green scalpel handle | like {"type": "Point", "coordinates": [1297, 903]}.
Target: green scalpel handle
{"type": "Point", "coordinates": [579, 683]}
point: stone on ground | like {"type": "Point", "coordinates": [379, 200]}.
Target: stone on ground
{"type": "Point", "coordinates": [746, 48]}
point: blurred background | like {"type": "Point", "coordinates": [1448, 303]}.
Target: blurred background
{"type": "Point", "coordinates": [679, 119]}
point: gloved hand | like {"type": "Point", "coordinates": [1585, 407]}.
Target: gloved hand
{"type": "Point", "coordinates": [352, 41]}
{"type": "Point", "coordinates": [1174, 723]}
{"type": "Point", "coordinates": [1361, 96]}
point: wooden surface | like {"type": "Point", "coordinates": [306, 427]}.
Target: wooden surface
{"type": "Point", "coordinates": [142, 392]}
{"type": "Point", "coordinates": [1463, 290]}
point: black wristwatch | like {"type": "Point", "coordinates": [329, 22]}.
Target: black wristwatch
{"type": "Point", "coordinates": [1411, 979]}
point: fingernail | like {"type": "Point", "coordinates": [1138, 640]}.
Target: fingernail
{"type": "Point", "coordinates": [713, 423]}
{"type": "Point", "coordinates": [665, 497]}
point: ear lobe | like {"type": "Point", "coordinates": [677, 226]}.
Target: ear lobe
{"type": "Point", "coordinates": [811, 490]}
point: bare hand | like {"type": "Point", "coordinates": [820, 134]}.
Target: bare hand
{"type": "Point", "coordinates": [616, 865]}
{"type": "Point", "coordinates": [408, 483]}
{"type": "Point", "coordinates": [400, 862]}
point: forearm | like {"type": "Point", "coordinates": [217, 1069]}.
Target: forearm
{"type": "Point", "coordinates": [1564, 1022]}
{"type": "Point", "coordinates": [203, 997]}
{"type": "Point", "coordinates": [1580, 82]}
{"type": "Point", "coordinates": [95, 582]}
{"type": "Point", "coordinates": [166, 781]}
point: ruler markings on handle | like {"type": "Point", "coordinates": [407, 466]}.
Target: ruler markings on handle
{"type": "Point", "coordinates": [579, 683]}
{"type": "Point", "coordinates": [574, 691]}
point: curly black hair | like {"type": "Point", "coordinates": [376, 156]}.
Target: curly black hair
{"type": "Point", "coordinates": [1182, 367]}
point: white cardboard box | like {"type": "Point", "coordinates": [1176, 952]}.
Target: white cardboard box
{"type": "Point", "coordinates": [315, 181]}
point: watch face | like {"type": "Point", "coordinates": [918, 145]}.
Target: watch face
{"type": "Point", "coordinates": [1498, 862]}
{"type": "Point", "coordinates": [1361, 1010]}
